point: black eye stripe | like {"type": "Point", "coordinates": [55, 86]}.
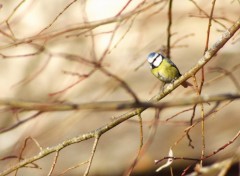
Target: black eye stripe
{"type": "Point", "coordinates": [152, 65]}
{"type": "Point", "coordinates": [156, 57]}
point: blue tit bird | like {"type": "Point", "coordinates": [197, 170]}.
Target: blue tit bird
{"type": "Point", "coordinates": [164, 69]}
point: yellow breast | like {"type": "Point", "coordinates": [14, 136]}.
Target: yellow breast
{"type": "Point", "coordinates": [166, 72]}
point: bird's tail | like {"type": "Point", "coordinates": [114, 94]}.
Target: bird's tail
{"type": "Point", "coordinates": [186, 84]}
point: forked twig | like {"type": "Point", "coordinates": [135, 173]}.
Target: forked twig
{"type": "Point", "coordinates": [97, 137]}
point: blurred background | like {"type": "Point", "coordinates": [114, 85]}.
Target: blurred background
{"type": "Point", "coordinates": [46, 51]}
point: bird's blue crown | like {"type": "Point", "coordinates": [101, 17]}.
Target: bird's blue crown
{"type": "Point", "coordinates": [153, 55]}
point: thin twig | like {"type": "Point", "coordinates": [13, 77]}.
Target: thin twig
{"type": "Point", "coordinates": [15, 9]}
{"type": "Point", "coordinates": [206, 14]}
{"type": "Point", "coordinates": [53, 164]}
{"type": "Point", "coordinates": [203, 79]}
{"type": "Point", "coordinates": [209, 25]}
{"type": "Point", "coordinates": [124, 7]}
{"type": "Point", "coordinates": [73, 167]}
{"type": "Point", "coordinates": [56, 18]}
{"type": "Point", "coordinates": [19, 123]}
{"type": "Point", "coordinates": [169, 118]}
{"type": "Point", "coordinates": [24, 147]}
{"type": "Point", "coordinates": [124, 34]}
{"type": "Point", "coordinates": [34, 75]}
{"type": "Point", "coordinates": [141, 131]}
{"type": "Point", "coordinates": [174, 45]}
{"type": "Point", "coordinates": [90, 73]}
{"type": "Point", "coordinates": [229, 74]}
{"type": "Point", "coordinates": [224, 146]}
{"type": "Point", "coordinates": [149, 141]}
{"type": "Point", "coordinates": [123, 83]}
{"type": "Point", "coordinates": [169, 34]}
{"type": "Point", "coordinates": [195, 122]}
{"type": "Point", "coordinates": [92, 36]}
{"type": "Point", "coordinates": [176, 158]}
{"type": "Point", "coordinates": [234, 68]}
{"type": "Point", "coordinates": [97, 137]}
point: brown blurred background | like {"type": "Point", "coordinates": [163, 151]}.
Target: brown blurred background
{"type": "Point", "coordinates": [36, 76]}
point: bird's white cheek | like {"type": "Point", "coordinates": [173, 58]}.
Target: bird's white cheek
{"type": "Point", "coordinates": [157, 62]}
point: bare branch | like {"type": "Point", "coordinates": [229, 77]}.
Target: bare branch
{"type": "Point", "coordinates": [21, 122]}
{"type": "Point", "coordinates": [123, 83]}
{"type": "Point", "coordinates": [118, 105]}
{"type": "Point", "coordinates": [169, 34]}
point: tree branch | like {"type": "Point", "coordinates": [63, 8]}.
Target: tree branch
{"type": "Point", "coordinates": [115, 105]}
